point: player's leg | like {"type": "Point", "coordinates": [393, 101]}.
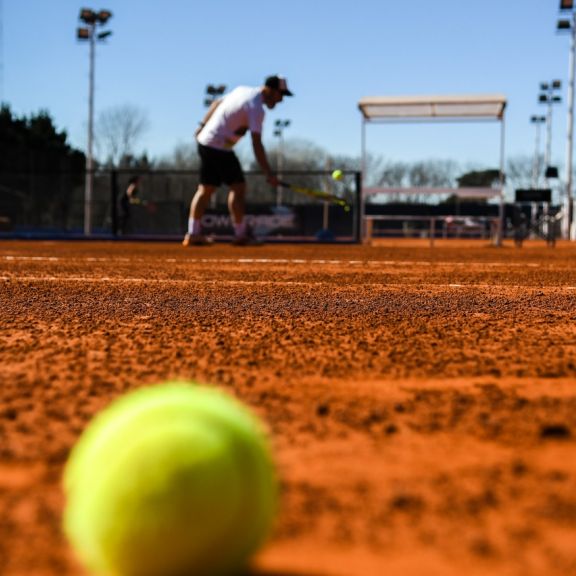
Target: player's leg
{"type": "Point", "coordinates": [123, 215]}
{"type": "Point", "coordinates": [233, 175]}
{"type": "Point", "coordinates": [200, 202]}
{"type": "Point", "coordinates": [237, 207]}
{"type": "Point", "coordinates": [209, 181]}
{"type": "Point", "coordinates": [243, 235]}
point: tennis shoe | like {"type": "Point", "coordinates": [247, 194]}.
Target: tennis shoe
{"type": "Point", "coordinates": [247, 239]}
{"type": "Point", "coordinates": [196, 240]}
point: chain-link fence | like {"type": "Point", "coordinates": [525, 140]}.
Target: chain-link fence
{"type": "Point", "coordinates": [36, 205]}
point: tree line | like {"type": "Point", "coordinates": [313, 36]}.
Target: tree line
{"type": "Point", "coordinates": [34, 156]}
{"type": "Point", "coordinates": [34, 145]}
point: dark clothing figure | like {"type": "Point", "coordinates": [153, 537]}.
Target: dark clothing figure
{"type": "Point", "coordinates": [127, 199]}
{"type": "Point", "coordinates": [519, 225]}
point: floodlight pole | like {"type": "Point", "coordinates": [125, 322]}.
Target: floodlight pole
{"type": "Point", "coordinates": [91, 19]}
{"type": "Point", "coordinates": [567, 231]}
{"type": "Point", "coordinates": [362, 207]}
{"type": "Point", "coordinates": [89, 193]}
{"type": "Point", "coordinates": [537, 121]}
{"type": "Point", "coordinates": [548, 97]}
{"type": "Point", "coordinates": [213, 92]}
{"type": "Point", "coordinates": [281, 125]}
{"type": "Point", "coordinates": [568, 211]}
{"type": "Point", "coordinates": [1, 53]}
{"type": "Point", "coordinates": [502, 179]}
{"type": "Point", "coordinates": [548, 152]}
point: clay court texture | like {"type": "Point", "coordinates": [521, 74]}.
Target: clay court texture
{"type": "Point", "coordinates": [421, 401]}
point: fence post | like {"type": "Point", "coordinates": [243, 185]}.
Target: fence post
{"type": "Point", "coordinates": [359, 212]}
{"type": "Point", "coordinates": [114, 201]}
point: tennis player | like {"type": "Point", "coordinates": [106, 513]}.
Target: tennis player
{"type": "Point", "coordinates": [127, 199]}
{"type": "Point", "coordinates": [227, 120]}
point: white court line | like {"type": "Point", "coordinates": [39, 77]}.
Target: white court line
{"type": "Point", "coordinates": [153, 281]}
{"type": "Point", "coordinates": [353, 262]}
{"type": "Point", "coordinates": [380, 285]}
{"type": "Point", "coordinates": [275, 261]}
{"type": "Point", "coordinates": [41, 258]}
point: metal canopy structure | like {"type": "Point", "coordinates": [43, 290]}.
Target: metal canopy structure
{"type": "Point", "coordinates": [403, 108]}
{"type": "Point", "coordinates": [459, 108]}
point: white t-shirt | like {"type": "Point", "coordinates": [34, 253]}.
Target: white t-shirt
{"type": "Point", "coordinates": [240, 110]}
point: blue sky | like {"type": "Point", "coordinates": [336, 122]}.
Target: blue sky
{"type": "Point", "coordinates": [162, 54]}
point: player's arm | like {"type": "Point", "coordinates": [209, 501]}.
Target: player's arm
{"type": "Point", "coordinates": [208, 115]}
{"type": "Point", "coordinates": [262, 159]}
{"type": "Point", "coordinates": [131, 193]}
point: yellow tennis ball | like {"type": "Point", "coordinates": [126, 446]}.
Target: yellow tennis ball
{"type": "Point", "coordinates": [168, 480]}
{"type": "Point", "coordinates": [337, 175]}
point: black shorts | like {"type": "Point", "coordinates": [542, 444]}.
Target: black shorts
{"type": "Point", "coordinates": [219, 167]}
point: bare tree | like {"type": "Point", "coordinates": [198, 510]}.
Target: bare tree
{"type": "Point", "coordinates": [183, 157]}
{"type": "Point", "coordinates": [118, 130]}
{"type": "Point", "coordinates": [433, 173]}
{"type": "Point", "coordinates": [519, 173]}
{"type": "Point", "coordinates": [393, 174]}
{"type": "Point", "coordinates": [423, 174]}
{"type": "Point", "coordinates": [298, 154]}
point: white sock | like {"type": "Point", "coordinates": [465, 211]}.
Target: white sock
{"type": "Point", "coordinates": [240, 229]}
{"type": "Point", "coordinates": [194, 227]}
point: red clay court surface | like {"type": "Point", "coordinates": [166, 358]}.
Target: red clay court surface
{"type": "Point", "coordinates": [421, 402]}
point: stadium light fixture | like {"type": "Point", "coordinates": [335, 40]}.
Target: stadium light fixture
{"type": "Point", "coordinates": [568, 230]}
{"type": "Point", "coordinates": [537, 121]}
{"type": "Point", "coordinates": [104, 16]}
{"type": "Point", "coordinates": [280, 126]}
{"type": "Point", "coordinates": [213, 91]}
{"type": "Point", "coordinates": [92, 20]}
{"type": "Point", "coordinates": [88, 16]}
{"type": "Point", "coordinates": [549, 97]}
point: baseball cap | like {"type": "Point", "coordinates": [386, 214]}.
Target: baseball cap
{"type": "Point", "coordinates": [278, 83]}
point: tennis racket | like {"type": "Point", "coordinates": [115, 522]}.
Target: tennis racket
{"type": "Point", "coordinates": [150, 206]}
{"type": "Point", "coordinates": [320, 194]}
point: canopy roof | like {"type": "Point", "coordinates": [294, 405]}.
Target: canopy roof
{"type": "Point", "coordinates": [481, 106]}
{"type": "Point", "coordinates": [459, 192]}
